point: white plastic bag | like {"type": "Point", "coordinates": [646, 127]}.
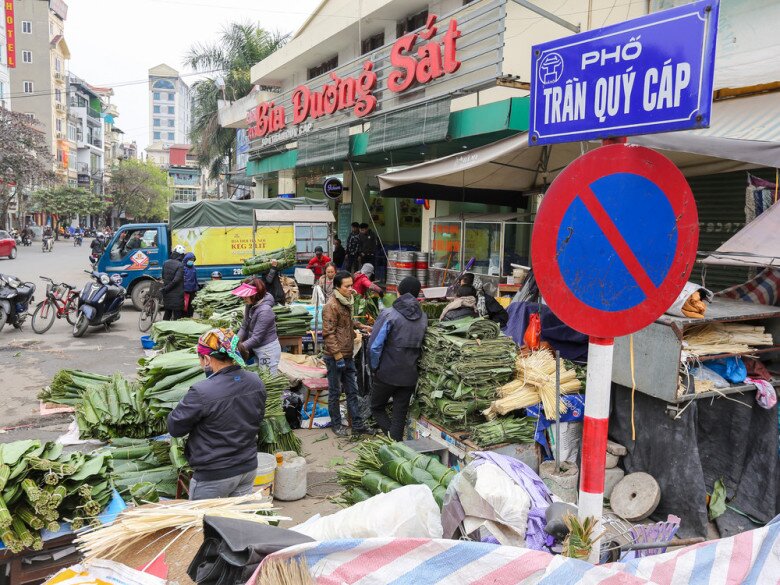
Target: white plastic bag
{"type": "Point", "coordinates": [406, 512]}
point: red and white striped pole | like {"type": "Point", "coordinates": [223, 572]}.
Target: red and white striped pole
{"type": "Point", "coordinates": [594, 434]}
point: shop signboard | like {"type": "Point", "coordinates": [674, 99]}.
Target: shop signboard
{"type": "Point", "coordinates": [332, 188]}
{"type": "Point", "coordinates": [646, 75]}
{"type": "Point", "coordinates": [459, 52]}
{"type": "Point", "coordinates": [10, 34]}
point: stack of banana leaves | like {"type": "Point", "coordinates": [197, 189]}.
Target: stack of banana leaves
{"type": "Point", "coordinates": [68, 386]}
{"type": "Point", "coordinates": [42, 487]}
{"type": "Point", "coordinates": [504, 430]}
{"type": "Point", "coordinates": [433, 309]}
{"type": "Point", "coordinates": [116, 409]}
{"type": "Point", "coordinates": [216, 298]}
{"type": "Point", "coordinates": [285, 258]}
{"type": "Point", "coordinates": [146, 470]}
{"type": "Point", "coordinates": [275, 433]}
{"type": "Point", "coordinates": [181, 334]}
{"type": "Point", "coordinates": [292, 320]}
{"type": "Point", "coordinates": [383, 465]}
{"type": "Point", "coordinates": [166, 378]}
{"type": "Point", "coordinates": [462, 364]}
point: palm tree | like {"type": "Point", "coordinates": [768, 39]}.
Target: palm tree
{"type": "Point", "coordinates": [228, 60]}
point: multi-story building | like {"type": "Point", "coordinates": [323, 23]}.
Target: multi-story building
{"type": "Point", "coordinates": [112, 135]}
{"type": "Point", "coordinates": [169, 109]}
{"type": "Point", "coordinates": [39, 80]}
{"type": "Point", "coordinates": [7, 59]}
{"type": "Point", "coordinates": [128, 151]}
{"type": "Point", "coordinates": [86, 126]}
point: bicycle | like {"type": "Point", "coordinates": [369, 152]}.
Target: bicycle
{"type": "Point", "coordinates": [151, 313]}
{"type": "Point", "coordinates": [61, 300]}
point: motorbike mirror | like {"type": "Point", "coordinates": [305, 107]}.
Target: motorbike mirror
{"type": "Point", "coordinates": [123, 274]}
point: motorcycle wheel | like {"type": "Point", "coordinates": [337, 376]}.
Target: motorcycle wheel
{"type": "Point", "coordinates": [80, 328]}
{"type": "Point", "coordinates": [43, 317]}
{"type": "Point", "coordinates": [3, 318]}
{"type": "Point", "coordinates": [72, 310]}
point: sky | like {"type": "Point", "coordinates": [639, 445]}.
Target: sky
{"type": "Point", "coordinates": [114, 43]}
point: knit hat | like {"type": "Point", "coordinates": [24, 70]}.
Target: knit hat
{"type": "Point", "coordinates": [367, 269]}
{"type": "Point", "coordinates": [409, 285]}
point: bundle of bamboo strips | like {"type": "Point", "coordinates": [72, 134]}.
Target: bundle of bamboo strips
{"type": "Point", "coordinates": [176, 515]}
{"type": "Point", "coordinates": [720, 338]}
{"type": "Point", "coordinates": [293, 571]}
{"type": "Point", "coordinates": [535, 383]}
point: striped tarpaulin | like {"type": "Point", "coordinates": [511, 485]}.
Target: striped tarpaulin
{"type": "Point", "coordinates": [751, 557]}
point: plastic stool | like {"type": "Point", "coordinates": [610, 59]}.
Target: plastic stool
{"type": "Point", "coordinates": [319, 388]}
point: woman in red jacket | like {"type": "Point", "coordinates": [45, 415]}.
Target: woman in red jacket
{"type": "Point", "coordinates": [362, 281]}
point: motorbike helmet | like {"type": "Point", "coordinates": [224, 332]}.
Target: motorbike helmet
{"type": "Point", "coordinates": [216, 275]}
{"type": "Point", "coordinates": [116, 280]}
{"type": "Point", "coordinates": [180, 249]}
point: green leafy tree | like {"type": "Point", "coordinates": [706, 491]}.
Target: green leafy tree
{"type": "Point", "coordinates": [67, 202]}
{"type": "Point", "coordinates": [140, 190]}
{"type": "Point", "coordinates": [25, 160]}
{"type": "Point", "coordinates": [230, 59]}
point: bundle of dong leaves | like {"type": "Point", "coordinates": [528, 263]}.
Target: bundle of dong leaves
{"type": "Point", "coordinates": [463, 363]}
{"type": "Point", "coordinates": [42, 487]}
{"type": "Point", "coordinates": [181, 334]}
{"type": "Point", "coordinates": [285, 258]}
{"type": "Point", "coordinates": [215, 302]}
{"type": "Point", "coordinates": [68, 386]}
{"type": "Point", "coordinates": [383, 465]}
{"type": "Point", "coordinates": [144, 470]}
{"type": "Point", "coordinates": [292, 320]}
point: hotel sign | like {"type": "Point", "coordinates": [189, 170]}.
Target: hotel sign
{"type": "Point", "coordinates": [10, 33]}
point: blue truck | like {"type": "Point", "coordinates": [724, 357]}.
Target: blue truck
{"type": "Point", "coordinates": [221, 234]}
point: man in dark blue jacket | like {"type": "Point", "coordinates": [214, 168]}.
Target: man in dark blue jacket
{"type": "Point", "coordinates": [190, 283]}
{"type": "Point", "coordinates": [394, 348]}
{"type": "Point", "coordinates": [222, 416]}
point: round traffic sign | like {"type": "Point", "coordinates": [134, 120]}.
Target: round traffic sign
{"type": "Point", "coordinates": [614, 240]}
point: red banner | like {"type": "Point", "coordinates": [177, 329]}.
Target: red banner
{"type": "Point", "coordinates": [10, 33]}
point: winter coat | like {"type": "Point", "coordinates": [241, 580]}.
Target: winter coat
{"type": "Point", "coordinates": [353, 244]}
{"type": "Point", "coordinates": [338, 331]}
{"type": "Point", "coordinates": [317, 265]}
{"type": "Point", "coordinates": [173, 284]}
{"type": "Point", "coordinates": [190, 274]}
{"type": "Point", "coordinates": [221, 415]}
{"type": "Point", "coordinates": [396, 342]}
{"type": "Point", "coordinates": [362, 284]}
{"type": "Point", "coordinates": [274, 286]}
{"type": "Point", "coordinates": [339, 255]}
{"type": "Point", "coordinates": [259, 326]}
{"type": "Point", "coordinates": [460, 308]}
{"type": "Point", "coordinates": [326, 286]}
{"type": "Point", "coordinates": [368, 243]}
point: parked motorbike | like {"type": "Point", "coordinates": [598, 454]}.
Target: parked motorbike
{"type": "Point", "coordinates": [100, 302]}
{"type": "Point", "coordinates": [15, 298]}
{"type": "Point", "coordinates": [48, 243]}
{"type": "Point", "coordinates": [78, 239]}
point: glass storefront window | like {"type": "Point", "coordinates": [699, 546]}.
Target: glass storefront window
{"type": "Point", "coordinates": [517, 245]}
{"type": "Point", "coordinates": [445, 244]}
{"type": "Point", "coordinates": [483, 243]}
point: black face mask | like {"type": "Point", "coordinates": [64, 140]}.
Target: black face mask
{"type": "Point", "coordinates": [208, 371]}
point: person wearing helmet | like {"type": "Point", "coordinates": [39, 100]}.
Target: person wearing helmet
{"type": "Point", "coordinates": [173, 285]}
{"type": "Point", "coordinates": [216, 275]}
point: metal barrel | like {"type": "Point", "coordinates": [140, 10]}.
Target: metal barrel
{"type": "Point", "coordinates": [421, 267]}
{"type": "Point", "coordinates": [405, 265]}
{"type": "Point", "coordinates": [392, 268]}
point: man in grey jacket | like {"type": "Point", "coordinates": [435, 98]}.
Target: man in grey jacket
{"type": "Point", "coordinates": [395, 346]}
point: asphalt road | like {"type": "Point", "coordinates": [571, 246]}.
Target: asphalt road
{"type": "Point", "coordinates": [29, 361]}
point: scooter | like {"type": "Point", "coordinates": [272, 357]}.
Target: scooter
{"type": "Point", "coordinates": [26, 240]}
{"type": "Point", "coordinates": [78, 239]}
{"type": "Point", "coordinates": [15, 298]}
{"type": "Point", "coordinates": [100, 302]}
{"type": "Point", "coordinates": [48, 243]}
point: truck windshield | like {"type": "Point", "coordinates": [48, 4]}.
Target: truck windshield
{"type": "Point", "coordinates": [131, 240]}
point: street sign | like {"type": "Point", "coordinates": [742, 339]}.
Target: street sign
{"type": "Point", "coordinates": [332, 188]}
{"type": "Point", "coordinates": [646, 75]}
{"type": "Point", "coordinates": [614, 240]}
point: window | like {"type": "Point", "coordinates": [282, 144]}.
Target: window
{"type": "Point", "coordinates": [411, 23]}
{"type": "Point", "coordinates": [157, 95]}
{"type": "Point", "coordinates": [331, 63]}
{"type": "Point", "coordinates": [27, 27]}
{"type": "Point", "coordinates": [170, 97]}
{"type": "Point", "coordinates": [60, 155]}
{"type": "Point", "coordinates": [28, 87]}
{"type": "Point", "coordinates": [171, 110]}
{"type": "Point", "coordinates": [58, 124]}
{"type": "Point", "coordinates": [372, 43]}
{"type": "Point", "coordinates": [58, 65]}
{"type": "Point", "coordinates": [58, 95]}
{"type": "Point", "coordinates": [157, 136]}
{"type": "Point", "coordinates": [31, 116]}
{"type": "Point", "coordinates": [26, 56]}
{"type": "Point", "coordinates": [156, 109]}
{"type": "Point", "coordinates": [157, 121]}
{"type": "Point", "coordinates": [163, 84]}
{"type": "Point", "coordinates": [171, 123]}
{"type": "Point", "coordinates": [129, 241]}
{"type": "Point", "coordinates": [72, 133]}
{"type": "Point", "coordinates": [170, 136]}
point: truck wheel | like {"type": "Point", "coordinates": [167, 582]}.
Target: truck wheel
{"type": "Point", "coordinates": [139, 293]}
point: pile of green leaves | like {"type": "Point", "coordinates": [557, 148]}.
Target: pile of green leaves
{"type": "Point", "coordinates": [67, 386]}
{"type": "Point", "coordinates": [504, 430]}
{"type": "Point", "coordinates": [146, 470]}
{"type": "Point", "coordinates": [383, 465]}
{"type": "Point", "coordinates": [285, 258]}
{"type": "Point", "coordinates": [166, 377]}
{"type": "Point", "coordinates": [216, 297]}
{"type": "Point", "coordinates": [40, 487]}
{"type": "Point", "coordinates": [433, 309]}
{"type": "Point", "coordinates": [275, 433]}
{"type": "Point", "coordinates": [463, 363]}
{"type": "Point", "coordinates": [292, 320]}
{"type": "Point", "coordinates": [116, 409]}
{"type": "Point", "coordinates": [181, 334]}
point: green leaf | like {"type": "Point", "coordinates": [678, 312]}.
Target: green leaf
{"type": "Point", "coordinates": [717, 505]}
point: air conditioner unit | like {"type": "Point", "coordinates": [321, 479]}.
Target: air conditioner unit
{"type": "Point", "coordinates": [59, 76]}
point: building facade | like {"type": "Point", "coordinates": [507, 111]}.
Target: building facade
{"type": "Point", "coordinates": [86, 126]}
{"type": "Point", "coordinates": [128, 151]}
{"type": "Point", "coordinates": [7, 48]}
{"type": "Point", "coordinates": [169, 107]}
{"type": "Point", "coordinates": [39, 82]}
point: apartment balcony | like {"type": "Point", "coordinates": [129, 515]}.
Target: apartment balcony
{"type": "Point", "coordinates": [97, 143]}
{"type": "Point", "coordinates": [93, 113]}
{"type": "Point", "coordinates": [82, 168]}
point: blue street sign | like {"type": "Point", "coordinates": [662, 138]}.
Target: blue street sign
{"type": "Point", "coordinates": [651, 74]}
